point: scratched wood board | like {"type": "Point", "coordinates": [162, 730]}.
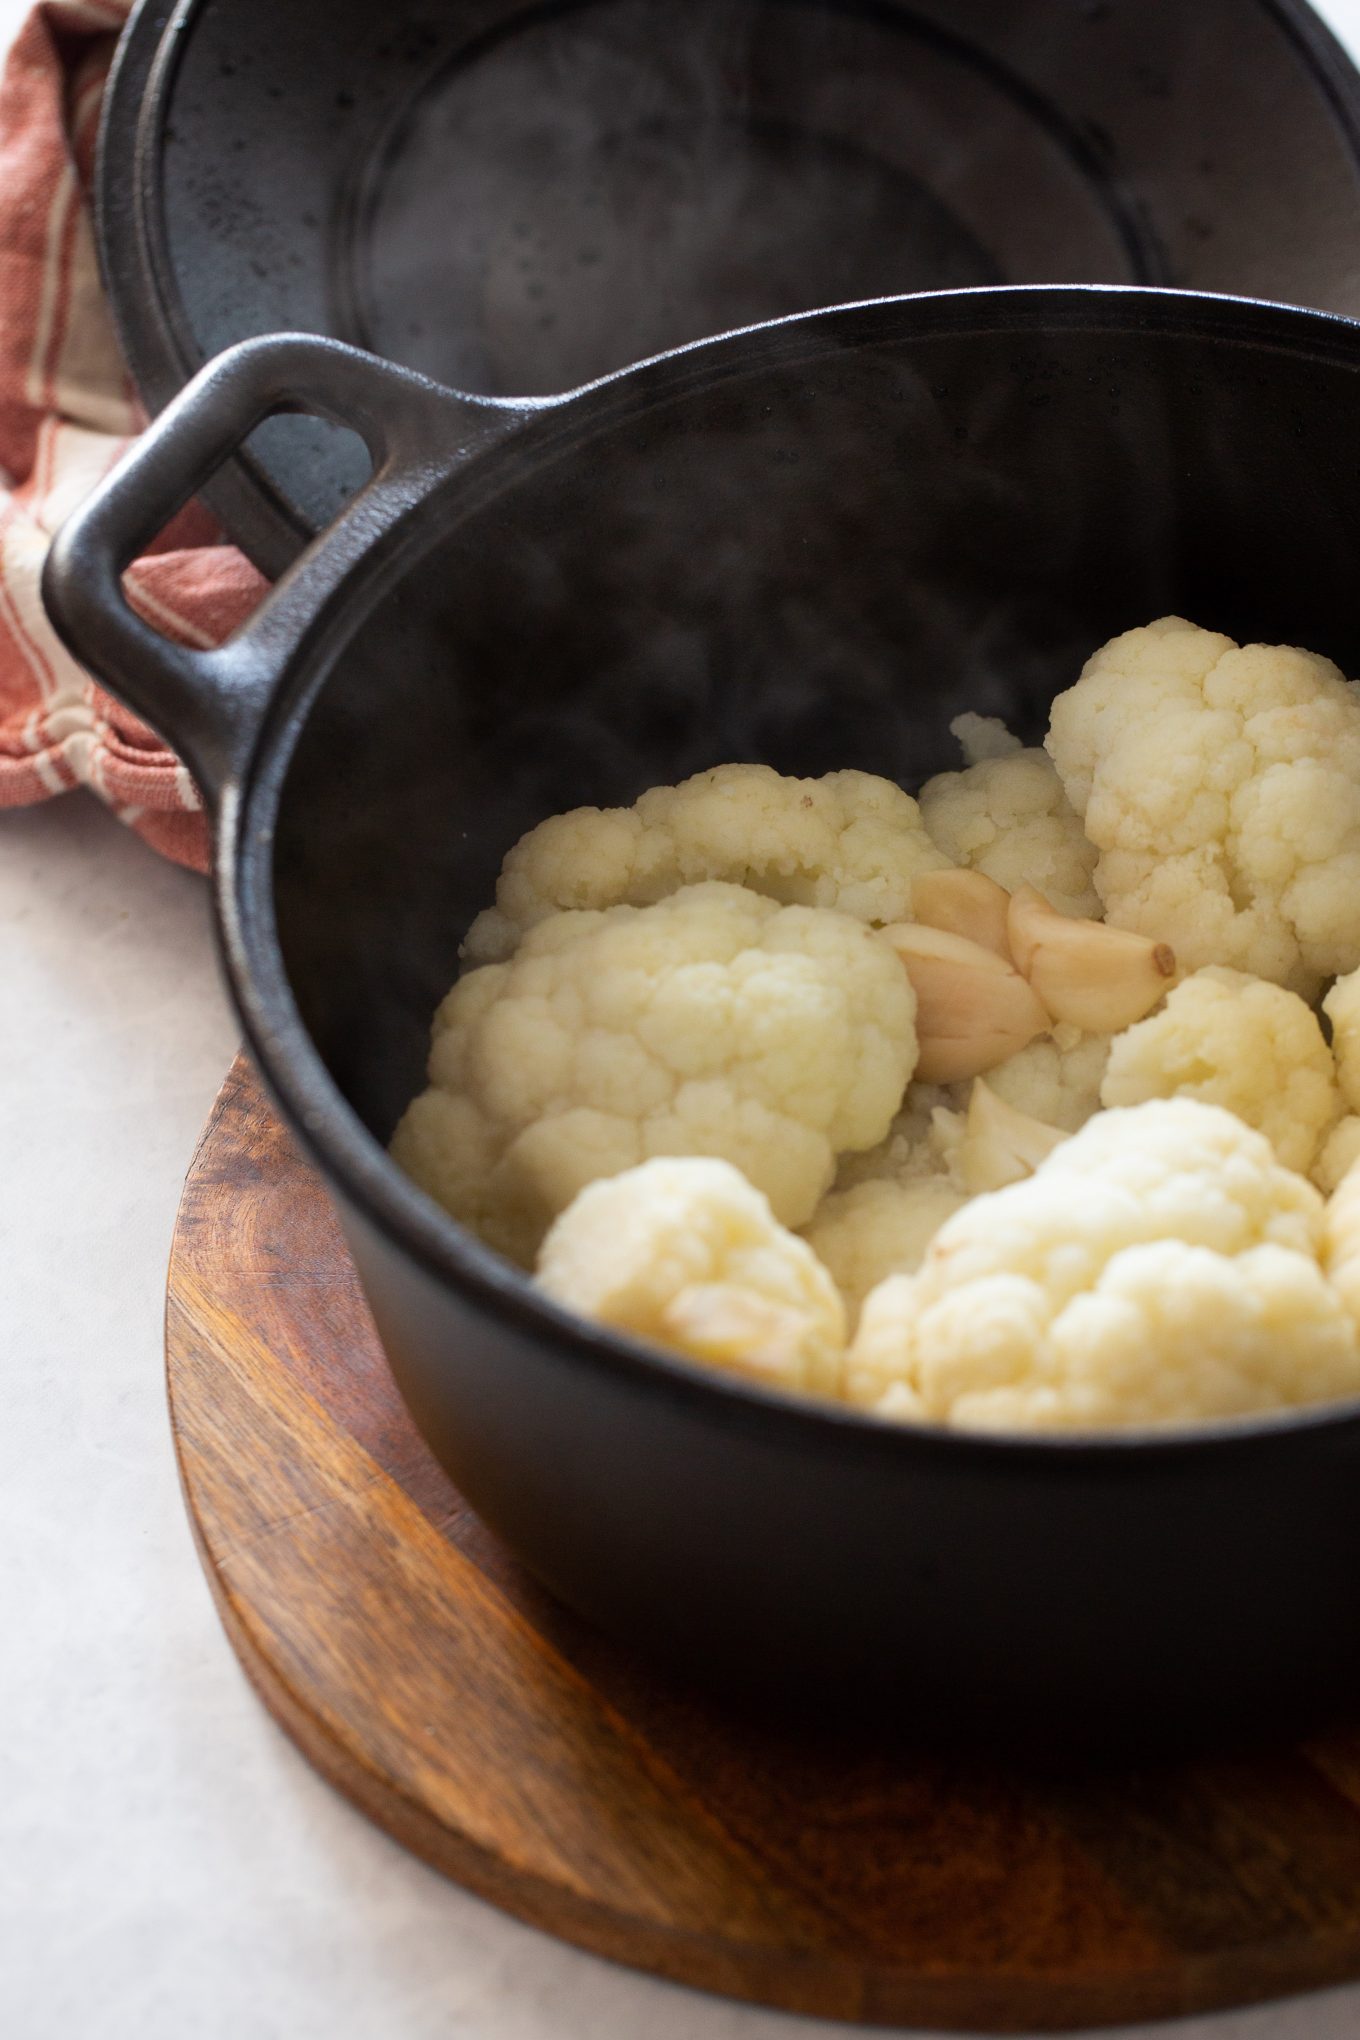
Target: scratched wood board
{"type": "Point", "coordinates": [486, 1729]}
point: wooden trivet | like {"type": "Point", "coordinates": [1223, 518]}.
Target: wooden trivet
{"type": "Point", "coordinates": [490, 1732]}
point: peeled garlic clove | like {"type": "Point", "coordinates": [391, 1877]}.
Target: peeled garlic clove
{"type": "Point", "coordinates": [973, 1008]}
{"type": "Point", "coordinates": [1000, 1144]}
{"type": "Point", "coordinates": [966, 903]}
{"type": "Point", "coordinates": [1094, 977]}
{"type": "Point", "coordinates": [1027, 921]}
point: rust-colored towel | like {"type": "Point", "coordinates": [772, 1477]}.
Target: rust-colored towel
{"type": "Point", "coordinates": [67, 410]}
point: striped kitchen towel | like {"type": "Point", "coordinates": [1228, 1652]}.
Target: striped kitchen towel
{"type": "Point", "coordinates": [67, 411]}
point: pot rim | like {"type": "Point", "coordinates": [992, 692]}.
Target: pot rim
{"type": "Point", "coordinates": [357, 1164]}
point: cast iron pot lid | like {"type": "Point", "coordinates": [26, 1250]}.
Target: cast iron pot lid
{"type": "Point", "coordinates": [516, 199]}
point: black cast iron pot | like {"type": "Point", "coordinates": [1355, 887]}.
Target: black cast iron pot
{"type": "Point", "coordinates": [515, 196]}
{"type": "Point", "coordinates": [812, 543]}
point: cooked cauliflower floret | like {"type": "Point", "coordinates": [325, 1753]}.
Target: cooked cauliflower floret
{"type": "Point", "coordinates": [1236, 1041]}
{"type": "Point", "coordinates": [937, 1133]}
{"type": "Point", "coordinates": [888, 1204]}
{"type": "Point", "coordinates": [1159, 1267]}
{"type": "Point", "coordinates": [981, 737]}
{"type": "Point", "coordinates": [919, 1142]}
{"type": "Point", "coordinates": [879, 1228]}
{"type": "Point", "coordinates": [1221, 785]}
{"type": "Point", "coordinates": [849, 841]}
{"type": "Point", "coordinates": [1057, 1078]}
{"type": "Point", "coordinates": [1340, 1153]}
{"type": "Point", "coordinates": [715, 1022]}
{"type": "Point", "coordinates": [1007, 815]}
{"type": "Point", "coordinates": [1342, 1007]}
{"type": "Point", "coordinates": [1341, 1250]}
{"type": "Point", "coordinates": [687, 1253]}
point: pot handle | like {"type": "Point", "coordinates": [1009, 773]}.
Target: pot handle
{"type": "Point", "coordinates": [209, 704]}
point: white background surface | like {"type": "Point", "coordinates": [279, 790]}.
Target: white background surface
{"type": "Point", "coordinates": [169, 1867]}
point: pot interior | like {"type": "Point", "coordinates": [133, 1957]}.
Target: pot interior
{"type": "Point", "coordinates": [812, 547]}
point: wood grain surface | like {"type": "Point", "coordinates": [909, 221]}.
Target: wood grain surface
{"type": "Point", "coordinates": [428, 1678]}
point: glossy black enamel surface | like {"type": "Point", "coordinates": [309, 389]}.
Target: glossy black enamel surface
{"type": "Point", "coordinates": [516, 198]}
{"type": "Point", "coordinates": [812, 544]}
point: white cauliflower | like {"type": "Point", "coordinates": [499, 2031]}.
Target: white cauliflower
{"type": "Point", "coordinates": [1221, 785]}
{"type": "Point", "coordinates": [1341, 1249]}
{"type": "Point", "coordinates": [686, 1253]}
{"type": "Point", "coordinates": [1340, 1153]}
{"type": "Point", "coordinates": [1342, 1007]}
{"type": "Point", "coordinates": [1160, 1267]}
{"type": "Point", "coordinates": [919, 1142]}
{"type": "Point", "coordinates": [1006, 815]}
{"type": "Point", "coordinates": [981, 737]}
{"type": "Point", "coordinates": [1236, 1041]}
{"type": "Point", "coordinates": [1056, 1079]}
{"type": "Point", "coordinates": [930, 1135]}
{"type": "Point", "coordinates": [878, 1228]}
{"type": "Point", "coordinates": [715, 1022]}
{"type": "Point", "coordinates": [849, 841]}
{"type": "Point", "coordinates": [889, 1204]}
